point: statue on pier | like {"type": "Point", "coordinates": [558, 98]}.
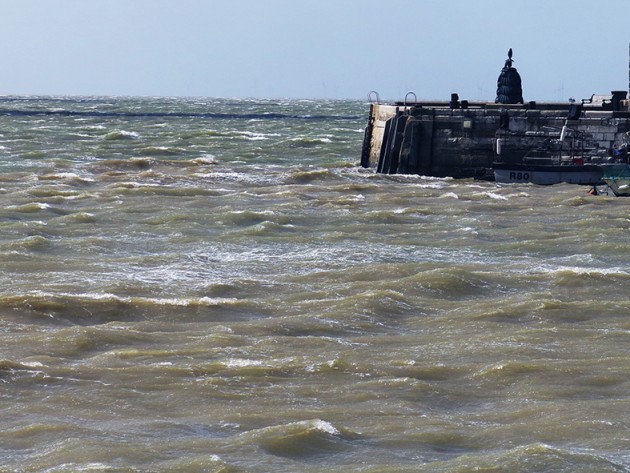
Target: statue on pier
{"type": "Point", "coordinates": [509, 90]}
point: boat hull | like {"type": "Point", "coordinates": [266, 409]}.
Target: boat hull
{"type": "Point", "coordinates": [543, 174]}
{"type": "Point", "coordinates": [617, 177]}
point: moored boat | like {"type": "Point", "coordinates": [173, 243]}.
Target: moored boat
{"type": "Point", "coordinates": [562, 155]}
{"type": "Point", "coordinates": [617, 177]}
{"type": "Point", "coordinates": [547, 174]}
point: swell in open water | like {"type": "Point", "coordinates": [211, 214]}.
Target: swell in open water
{"type": "Point", "coordinates": [217, 285]}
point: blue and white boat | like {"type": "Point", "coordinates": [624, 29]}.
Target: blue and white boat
{"type": "Point", "coordinates": [547, 174]}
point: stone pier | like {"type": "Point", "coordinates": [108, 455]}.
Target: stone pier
{"type": "Point", "coordinates": [460, 138]}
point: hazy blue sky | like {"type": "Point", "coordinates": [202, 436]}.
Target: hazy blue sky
{"type": "Point", "coordinates": [313, 48]}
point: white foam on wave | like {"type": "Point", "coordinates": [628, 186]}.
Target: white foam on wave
{"type": "Point", "coordinates": [311, 424]}
{"type": "Point", "coordinates": [494, 196]}
{"type": "Point", "coordinates": [108, 297]}
{"type": "Point", "coordinates": [242, 363]}
{"type": "Point", "coordinates": [434, 178]}
{"type": "Point", "coordinates": [518, 194]}
{"type": "Point", "coordinates": [259, 212]}
{"type": "Point", "coordinates": [30, 205]}
{"type": "Point", "coordinates": [431, 185]}
{"type": "Point", "coordinates": [76, 467]}
{"type": "Point", "coordinates": [253, 136]}
{"type": "Point", "coordinates": [206, 159]}
{"type": "Point", "coordinates": [584, 271]}
{"type": "Point", "coordinates": [135, 185]}
{"type": "Point", "coordinates": [122, 135]}
{"type": "Point", "coordinates": [68, 176]}
{"type": "Point", "coordinates": [311, 139]}
{"type": "Point", "coordinates": [325, 427]}
{"type": "Point", "coordinates": [352, 198]}
{"type": "Point", "coordinates": [185, 302]}
{"type": "Point", "coordinates": [233, 176]}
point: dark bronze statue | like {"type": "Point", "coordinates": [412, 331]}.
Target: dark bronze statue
{"type": "Point", "coordinates": [509, 89]}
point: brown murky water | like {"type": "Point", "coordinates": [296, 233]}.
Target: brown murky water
{"type": "Point", "coordinates": [211, 285]}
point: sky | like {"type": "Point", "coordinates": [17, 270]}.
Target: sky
{"type": "Point", "coordinates": [338, 49]}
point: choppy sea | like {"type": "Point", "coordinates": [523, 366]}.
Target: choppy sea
{"type": "Point", "coordinates": [217, 285]}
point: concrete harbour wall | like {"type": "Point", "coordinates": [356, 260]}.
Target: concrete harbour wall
{"type": "Point", "coordinates": [437, 139]}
